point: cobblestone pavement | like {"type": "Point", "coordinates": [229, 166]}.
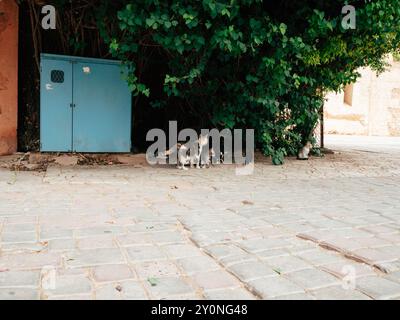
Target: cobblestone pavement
{"type": "Point", "coordinates": [328, 228]}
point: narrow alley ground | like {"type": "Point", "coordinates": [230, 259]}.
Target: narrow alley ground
{"type": "Point", "coordinates": [328, 228]}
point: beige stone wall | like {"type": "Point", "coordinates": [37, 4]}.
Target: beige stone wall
{"type": "Point", "coordinates": [8, 76]}
{"type": "Point", "coordinates": [375, 108]}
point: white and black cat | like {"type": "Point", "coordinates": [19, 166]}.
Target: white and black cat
{"type": "Point", "coordinates": [185, 156]}
{"type": "Point", "coordinates": [305, 152]}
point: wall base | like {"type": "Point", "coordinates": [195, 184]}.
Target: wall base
{"type": "Point", "coordinates": [8, 76]}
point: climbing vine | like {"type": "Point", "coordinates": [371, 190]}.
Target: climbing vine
{"type": "Point", "coordinates": [251, 63]}
{"type": "Point", "coordinates": [256, 64]}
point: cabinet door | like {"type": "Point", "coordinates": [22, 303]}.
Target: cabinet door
{"type": "Point", "coordinates": [56, 106]}
{"type": "Point", "coordinates": [102, 113]}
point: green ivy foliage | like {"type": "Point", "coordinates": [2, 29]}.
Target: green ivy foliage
{"type": "Point", "coordinates": [256, 64]}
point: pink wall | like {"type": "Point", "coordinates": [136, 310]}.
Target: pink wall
{"type": "Point", "coordinates": [8, 76]}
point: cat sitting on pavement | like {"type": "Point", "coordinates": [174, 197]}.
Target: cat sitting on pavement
{"type": "Point", "coordinates": [305, 152]}
{"type": "Point", "coordinates": [186, 156]}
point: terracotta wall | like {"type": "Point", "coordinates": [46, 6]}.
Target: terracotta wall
{"type": "Point", "coordinates": [8, 76]}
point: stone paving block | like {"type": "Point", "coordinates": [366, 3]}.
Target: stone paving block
{"type": "Point", "coordinates": [156, 269]}
{"type": "Point", "coordinates": [179, 251]}
{"type": "Point", "coordinates": [252, 270]}
{"type": "Point", "coordinates": [61, 244]}
{"type": "Point", "coordinates": [145, 253]}
{"type": "Point", "coordinates": [20, 228]}
{"type": "Point", "coordinates": [378, 288]}
{"type": "Point", "coordinates": [256, 221]}
{"type": "Point", "coordinates": [11, 248]}
{"type": "Point", "coordinates": [315, 236]}
{"type": "Point", "coordinates": [185, 297]}
{"type": "Point", "coordinates": [96, 242]}
{"type": "Point", "coordinates": [22, 219]}
{"type": "Point", "coordinates": [85, 271]}
{"type": "Point", "coordinates": [344, 267]}
{"type": "Point", "coordinates": [300, 246]}
{"type": "Point", "coordinates": [126, 290]}
{"type": "Point", "coordinates": [132, 290]}
{"type": "Point", "coordinates": [197, 264]}
{"type": "Point", "coordinates": [379, 229]}
{"type": "Point", "coordinates": [87, 258]}
{"type": "Point", "coordinates": [390, 267]}
{"type": "Point", "coordinates": [167, 237]}
{"type": "Point", "coordinates": [394, 276]}
{"type": "Point", "coordinates": [374, 256]}
{"type": "Point", "coordinates": [392, 238]}
{"type": "Point", "coordinates": [272, 232]}
{"type": "Point", "coordinates": [47, 234]}
{"type": "Point", "coordinates": [211, 237]}
{"type": "Point", "coordinates": [319, 256]}
{"type": "Point", "coordinates": [98, 231]}
{"type": "Point", "coordinates": [349, 233]}
{"type": "Point", "coordinates": [112, 273]}
{"type": "Point", "coordinates": [341, 245]}
{"type": "Point", "coordinates": [19, 294]}
{"type": "Point", "coordinates": [338, 293]}
{"type": "Point", "coordinates": [376, 219]}
{"type": "Point", "coordinates": [19, 237]}
{"type": "Point", "coordinates": [274, 286]}
{"type": "Point", "coordinates": [373, 242]}
{"type": "Point", "coordinates": [329, 224]}
{"type": "Point", "coordinates": [135, 239]}
{"type": "Point", "coordinates": [312, 279]}
{"type": "Point", "coordinates": [219, 279]}
{"type": "Point", "coordinates": [281, 219]}
{"type": "Point", "coordinates": [76, 297]}
{"type": "Point", "coordinates": [391, 250]}
{"type": "Point", "coordinates": [287, 264]}
{"type": "Point", "coordinates": [294, 297]}
{"type": "Point", "coordinates": [272, 253]}
{"type": "Point", "coordinates": [247, 234]}
{"type": "Point", "coordinates": [151, 226]}
{"type": "Point", "coordinates": [256, 245]}
{"type": "Point", "coordinates": [70, 220]}
{"type": "Point", "coordinates": [29, 261]}
{"type": "Point", "coordinates": [165, 288]}
{"type": "Point", "coordinates": [13, 279]}
{"type": "Point", "coordinates": [229, 294]}
{"type": "Point", "coordinates": [109, 292]}
{"type": "Point", "coordinates": [299, 227]}
{"type": "Point", "coordinates": [224, 250]}
{"type": "Point", "coordinates": [241, 258]}
{"type": "Point", "coordinates": [68, 285]}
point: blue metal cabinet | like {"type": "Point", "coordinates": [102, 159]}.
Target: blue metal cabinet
{"type": "Point", "coordinates": [55, 106]}
{"type": "Point", "coordinates": [85, 105]}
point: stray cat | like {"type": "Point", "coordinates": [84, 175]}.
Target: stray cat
{"type": "Point", "coordinates": [214, 159]}
{"type": "Point", "coordinates": [185, 158]}
{"type": "Point", "coordinates": [305, 152]}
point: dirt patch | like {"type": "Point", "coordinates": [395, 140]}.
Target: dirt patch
{"type": "Point", "coordinates": [97, 160]}
{"type": "Point", "coordinates": [23, 163]}
{"type": "Point", "coordinates": [40, 162]}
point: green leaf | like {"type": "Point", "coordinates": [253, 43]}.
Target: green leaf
{"type": "Point", "coordinates": [152, 281]}
{"type": "Point", "coordinates": [283, 28]}
{"type": "Point", "coordinates": [150, 22]}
